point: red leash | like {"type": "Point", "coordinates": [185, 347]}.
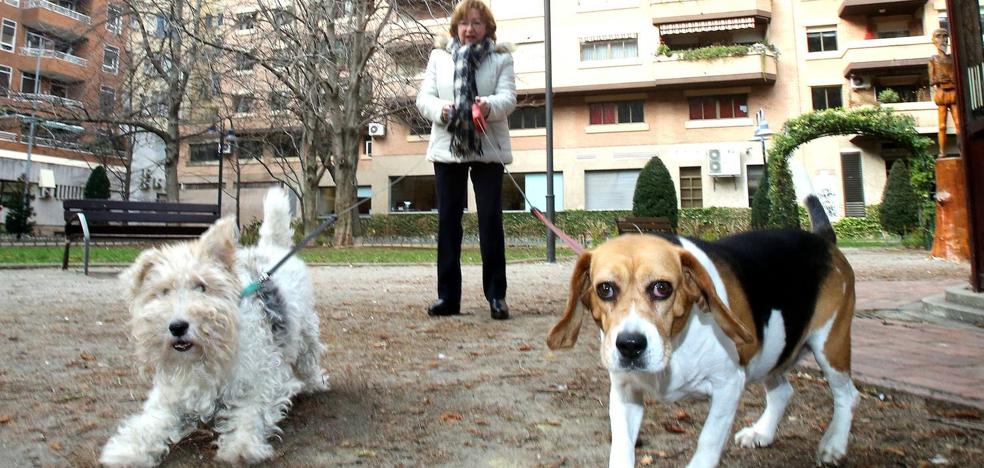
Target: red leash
{"type": "Point", "coordinates": [481, 126]}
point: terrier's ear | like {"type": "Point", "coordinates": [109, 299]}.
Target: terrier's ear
{"type": "Point", "coordinates": [134, 276]}
{"type": "Point", "coordinates": [219, 242]}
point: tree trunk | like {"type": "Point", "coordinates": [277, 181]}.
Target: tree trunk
{"type": "Point", "coordinates": [346, 187]}
{"type": "Point", "coordinates": [171, 171]}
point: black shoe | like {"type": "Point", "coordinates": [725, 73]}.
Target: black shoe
{"type": "Point", "coordinates": [443, 308]}
{"type": "Point", "coordinates": [500, 311]}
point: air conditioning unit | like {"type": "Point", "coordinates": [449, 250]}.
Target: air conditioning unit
{"type": "Point", "coordinates": [377, 129]}
{"type": "Point", "coordinates": [723, 162]}
{"type": "Point", "coordinates": [860, 82]}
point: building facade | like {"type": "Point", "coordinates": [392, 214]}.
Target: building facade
{"type": "Point", "coordinates": [57, 58]}
{"type": "Point", "coordinates": [682, 80]}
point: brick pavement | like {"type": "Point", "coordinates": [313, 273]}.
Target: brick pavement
{"type": "Point", "coordinates": [942, 360]}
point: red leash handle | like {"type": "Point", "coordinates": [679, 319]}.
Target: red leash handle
{"type": "Point", "coordinates": [478, 119]}
{"type": "Point", "coordinates": [573, 244]}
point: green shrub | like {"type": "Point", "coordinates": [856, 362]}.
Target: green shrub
{"type": "Point", "coordinates": [97, 186]}
{"type": "Point", "coordinates": [19, 214]}
{"type": "Point", "coordinates": [664, 49]}
{"type": "Point", "coordinates": [714, 51]}
{"type": "Point", "coordinates": [899, 212]}
{"type": "Point", "coordinates": [760, 204]}
{"type": "Point", "coordinates": [655, 194]}
{"type": "Point", "coordinates": [889, 96]}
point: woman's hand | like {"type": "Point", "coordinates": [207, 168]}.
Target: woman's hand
{"type": "Point", "coordinates": [484, 106]}
{"type": "Point", "coordinates": [445, 113]}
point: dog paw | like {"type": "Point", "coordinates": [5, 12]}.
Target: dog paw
{"type": "Point", "coordinates": [828, 455]}
{"type": "Point", "coordinates": [241, 452]}
{"type": "Point", "coordinates": [119, 455]}
{"type": "Point", "coordinates": [749, 438]}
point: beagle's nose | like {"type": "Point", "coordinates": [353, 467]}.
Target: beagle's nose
{"type": "Point", "coordinates": [630, 344]}
{"type": "Point", "coordinates": [178, 328]}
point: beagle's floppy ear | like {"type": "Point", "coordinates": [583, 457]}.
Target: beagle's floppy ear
{"type": "Point", "coordinates": [564, 333]}
{"type": "Point", "coordinates": [698, 281]}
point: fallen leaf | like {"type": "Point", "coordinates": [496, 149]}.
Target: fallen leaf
{"type": "Point", "coordinates": [86, 356]}
{"type": "Point", "coordinates": [5, 419]}
{"type": "Point", "coordinates": [966, 414]}
{"type": "Point", "coordinates": [683, 416]}
{"type": "Point", "coordinates": [894, 450]}
{"type": "Point", "coordinates": [451, 416]}
{"type": "Point", "coordinates": [525, 347]}
{"type": "Point", "coordinates": [55, 446]}
{"type": "Point", "coordinates": [646, 460]}
{"type": "Point", "coordinates": [482, 422]}
{"type": "Point", "coordinates": [367, 454]}
{"type": "Point", "coordinates": [674, 428]}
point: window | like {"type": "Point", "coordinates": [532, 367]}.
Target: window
{"type": "Point", "coordinates": [201, 152]}
{"type": "Point", "coordinates": [13, 2]}
{"type": "Point", "coordinates": [534, 184]}
{"type": "Point", "coordinates": [216, 84]}
{"type": "Point", "coordinates": [691, 195]}
{"type": "Point", "coordinates": [609, 190]}
{"type": "Point", "coordinates": [821, 41]}
{"type": "Point", "coordinates": [284, 145]}
{"type": "Point", "coordinates": [755, 173]}
{"type": "Point", "coordinates": [413, 193]}
{"type": "Point", "coordinates": [6, 75]}
{"type": "Point", "coordinates": [160, 26]}
{"type": "Point", "coordinates": [282, 18]}
{"type": "Point", "coordinates": [893, 26]}
{"type": "Point", "coordinates": [28, 83]}
{"type": "Point", "coordinates": [58, 89]}
{"type": "Point", "coordinates": [246, 21]}
{"type": "Point", "coordinates": [111, 59]}
{"type": "Point", "coordinates": [609, 50]}
{"type": "Point", "coordinates": [34, 40]}
{"type": "Point", "coordinates": [826, 97]}
{"type": "Point", "coordinates": [604, 113]}
{"type": "Point", "coordinates": [419, 126]}
{"type": "Point", "coordinates": [242, 104]}
{"type": "Point", "coordinates": [244, 62]}
{"type": "Point", "coordinates": [944, 21]}
{"type": "Point", "coordinates": [213, 20]}
{"type": "Point", "coordinates": [853, 184]}
{"type": "Point", "coordinates": [107, 99]}
{"type": "Point", "coordinates": [250, 149]}
{"type": "Point", "coordinates": [8, 38]}
{"type": "Point", "coordinates": [528, 117]}
{"type": "Point", "coordinates": [729, 106]}
{"type": "Point", "coordinates": [114, 19]}
{"type": "Point", "coordinates": [364, 193]}
{"type": "Point", "coordinates": [278, 101]}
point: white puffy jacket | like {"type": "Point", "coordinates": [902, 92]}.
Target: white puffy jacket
{"type": "Point", "coordinates": [496, 86]}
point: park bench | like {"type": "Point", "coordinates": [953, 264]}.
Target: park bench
{"type": "Point", "coordinates": [644, 225]}
{"type": "Point", "coordinates": [123, 220]}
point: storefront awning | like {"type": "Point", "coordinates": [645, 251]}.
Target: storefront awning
{"type": "Point", "coordinates": [688, 27]}
{"type": "Point", "coordinates": [607, 37]}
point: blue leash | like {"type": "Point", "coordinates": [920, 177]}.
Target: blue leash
{"type": "Point", "coordinates": [251, 288]}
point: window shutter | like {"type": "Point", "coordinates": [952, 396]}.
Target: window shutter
{"type": "Point", "coordinates": [853, 184]}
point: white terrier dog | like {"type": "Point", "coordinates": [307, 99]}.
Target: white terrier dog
{"type": "Point", "coordinates": [215, 356]}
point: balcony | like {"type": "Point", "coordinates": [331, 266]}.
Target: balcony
{"type": "Point", "coordinates": [692, 10]}
{"type": "Point", "coordinates": [58, 65]}
{"type": "Point", "coordinates": [48, 99]}
{"type": "Point", "coordinates": [756, 67]}
{"type": "Point", "coordinates": [869, 56]}
{"type": "Point", "coordinates": [63, 22]}
{"type": "Point", "coordinates": [925, 115]}
{"type": "Point", "coordinates": [879, 7]}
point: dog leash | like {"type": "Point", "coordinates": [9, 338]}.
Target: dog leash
{"type": "Point", "coordinates": [481, 126]}
{"type": "Point", "coordinates": [251, 288]}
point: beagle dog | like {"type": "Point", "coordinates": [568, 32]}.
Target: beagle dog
{"type": "Point", "coordinates": [681, 316]}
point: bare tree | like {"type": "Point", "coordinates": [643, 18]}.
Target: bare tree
{"type": "Point", "coordinates": [334, 66]}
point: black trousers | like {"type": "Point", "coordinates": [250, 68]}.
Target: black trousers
{"type": "Point", "coordinates": [452, 186]}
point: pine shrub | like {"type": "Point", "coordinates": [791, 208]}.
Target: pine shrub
{"type": "Point", "coordinates": [655, 194]}
{"type": "Point", "coordinates": [18, 219]}
{"type": "Point", "coordinates": [760, 204]}
{"type": "Point", "coordinates": [98, 184]}
{"type": "Point", "coordinates": [899, 213]}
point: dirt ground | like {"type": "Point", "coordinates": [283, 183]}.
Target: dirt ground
{"type": "Point", "coordinates": [408, 390]}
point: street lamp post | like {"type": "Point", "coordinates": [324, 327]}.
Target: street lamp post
{"type": "Point", "coordinates": [34, 121]}
{"type": "Point", "coordinates": [762, 133]}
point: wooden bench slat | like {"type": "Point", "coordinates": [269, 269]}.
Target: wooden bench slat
{"type": "Point", "coordinates": [118, 216]}
{"type": "Point", "coordinates": [87, 205]}
{"type": "Point", "coordinates": [138, 231]}
{"type": "Point", "coordinates": [643, 224]}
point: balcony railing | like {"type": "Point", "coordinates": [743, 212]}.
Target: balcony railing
{"type": "Point", "coordinates": [759, 65]}
{"type": "Point", "coordinates": [55, 100]}
{"type": "Point", "coordinates": [49, 53]}
{"type": "Point", "coordinates": [58, 9]}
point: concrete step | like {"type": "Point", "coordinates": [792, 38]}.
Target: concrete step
{"type": "Point", "coordinates": [938, 306]}
{"type": "Point", "coordinates": [964, 296]}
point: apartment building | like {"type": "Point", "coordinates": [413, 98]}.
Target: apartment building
{"type": "Point", "coordinates": [56, 58]}
{"type": "Point", "coordinates": [682, 80]}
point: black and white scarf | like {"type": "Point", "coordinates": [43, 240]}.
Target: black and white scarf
{"type": "Point", "coordinates": [464, 139]}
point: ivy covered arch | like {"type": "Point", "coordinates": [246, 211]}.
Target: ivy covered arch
{"type": "Point", "coordinates": [874, 121]}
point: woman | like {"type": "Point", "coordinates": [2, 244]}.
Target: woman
{"type": "Point", "coordinates": [469, 69]}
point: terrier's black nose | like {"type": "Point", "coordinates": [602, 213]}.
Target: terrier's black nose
{"type": "Point", "coordinates": [630, 345]}
{"type": "Point", "coordinates": [179, 327]}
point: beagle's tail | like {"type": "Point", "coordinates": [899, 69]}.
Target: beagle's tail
{"type": "Point", "coordinates": [275, 229]}
{"type": "Point", "coordinates": [819, 220]}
